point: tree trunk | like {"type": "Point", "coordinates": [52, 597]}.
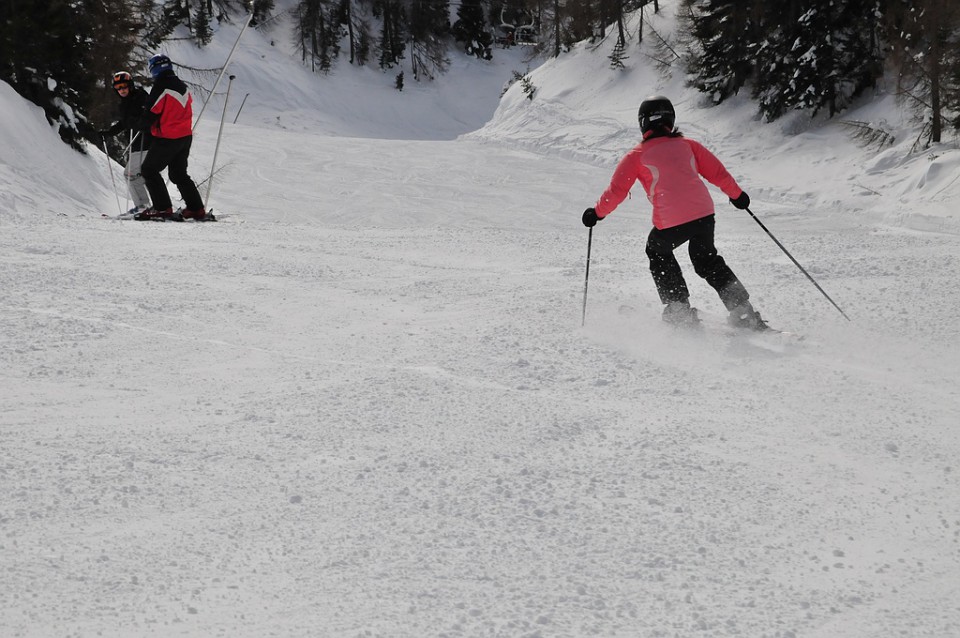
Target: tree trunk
{"type": "Point", "coordinates": [621, 32]}
{"type": "Point", "coordinates": [936, 71]}
{"type": "Point", "coordinates": [353, 44]}
{"type": "Point", "coordinates": [556, 28]}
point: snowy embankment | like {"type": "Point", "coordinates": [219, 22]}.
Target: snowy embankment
{"type": "Point", "coordinates": [363, 404]}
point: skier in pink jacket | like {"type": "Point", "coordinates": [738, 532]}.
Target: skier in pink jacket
{"type": "Point", "coordinates": [670, 167]}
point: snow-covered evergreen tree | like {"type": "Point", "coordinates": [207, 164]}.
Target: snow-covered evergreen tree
{"type": "Point", "coordinates": [471, 28]}
{"type": "Point", "coordinates": [59, 54]}
{"type": "Point", "coordinates": [261, 11]}
{"type": "Point", "coordinates": [925, 38]}
{"type": "Point", "coordinates": [201, 26]}
{"type": "Point", "coordinates": [392, 32]}
{"type": "Point", "coordinates": [836, 55]}
{"type": "Point", "coordinates": [318, 34]}
{"type": "Point", "coordinates": [429, 25]}
{"type": "Point", "coordinates": [725, 33]}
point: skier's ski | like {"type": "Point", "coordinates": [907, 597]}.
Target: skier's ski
{"type": "Point", "coordinates": [127, 215]}
{"type": "Point", "coordinates": [210, 217]}
{"type": "Point", "coordinates": [717, 325]}
{"type": "Point", "coordinates": [176, 217]}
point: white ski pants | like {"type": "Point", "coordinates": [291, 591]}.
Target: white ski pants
{"type": "Point", "coordinates": [135, 183]}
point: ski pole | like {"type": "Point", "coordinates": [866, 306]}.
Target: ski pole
{"type": "Point", "coordinates": [112, 180]}
{"type": "Point", "coordinates": [797, 264]}
{"type": "Point", "coordinates": [241, 107]}
{"type": "Point", "coordinates": [216, 149]}
{"type": "Point", "coordinates": [126, 171]}
{"type": "Point", "coordinates": [586, 279]}
{"type": "Point", "coordinates": [225, 64]}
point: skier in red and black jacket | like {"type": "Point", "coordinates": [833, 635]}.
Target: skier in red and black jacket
{"type": "Point", "coordinates": [169, 118]}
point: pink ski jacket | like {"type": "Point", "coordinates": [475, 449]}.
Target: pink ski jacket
{"type": "Point", "coordinates": [669, 169]}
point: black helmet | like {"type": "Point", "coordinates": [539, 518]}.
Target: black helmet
{"type": "Point", "coordinates": [122, 78]}
{"type": "Point", "coordinates": [656, 111]}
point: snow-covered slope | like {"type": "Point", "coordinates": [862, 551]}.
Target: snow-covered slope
{"type": "Point", "coordinates": [38, 174]}
{"type": "Point", "coordinates": [363, 403]}
{"type": "Point", "coordinates": [349, 101]}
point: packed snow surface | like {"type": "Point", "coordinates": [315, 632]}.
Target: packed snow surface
{"type": "Point", "coordinates": [363, 404]}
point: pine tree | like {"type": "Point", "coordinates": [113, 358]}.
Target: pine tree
{"type": "Point", "coordinates": [358, 31]}
{"type": "Point", "coordinates": [836, 56]}
{"type": "Point", "coordinates": [363, 44]}
{"type": "Point", "coordinates": [392, 33]}
{"type": "Point", "coordinates": [428, 25]}
{"type": "Point", "coordinates": [261, 11]}
{"type": "Point", "coordinates": [726, 33]}
{"type": "Point", "coordinates": [776, 56]}
{"type": "Point", "coordinates": [317, 34]}
{"type": "Point", "coordinates": [925, 35]}
{"type": "Point", "coordinates": [201, 26]}
{"type": "Point", "coordinates": [618, 55]}
{"type": "Point", "coordinates": [159, 22]}
{"type": "Point", "coordinates": [470, 25]}
{"type": "Point", "coordinates": [58, 54]}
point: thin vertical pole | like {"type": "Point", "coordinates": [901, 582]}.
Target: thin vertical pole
{"type": "Point", "coordinates": [112, 180]}
{"type": "Point", "coordinates": [216, 149]}
{"type": "Point", "coordinates": [237, 116]}
{"type": "Point", "coordinates": [223, 70]}
{"type": "Point", "coordinates": [586, 279]}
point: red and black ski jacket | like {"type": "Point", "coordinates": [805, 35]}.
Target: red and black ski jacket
{"type": "Point", "coordinates": [169, 108]}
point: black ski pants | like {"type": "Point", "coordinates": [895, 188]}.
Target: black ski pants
{"type": "Point", "coordinates": [666, 272]}
{"type": "Point", "coordinates": [171, 155]}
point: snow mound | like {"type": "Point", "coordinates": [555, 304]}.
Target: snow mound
{"type": "Point", "coordinates": [38, 171]}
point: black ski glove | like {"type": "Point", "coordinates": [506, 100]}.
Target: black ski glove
{"type": "Point", "coordinates": [741, 202]}
{"type": "Point", "coordinates": [590, 218]}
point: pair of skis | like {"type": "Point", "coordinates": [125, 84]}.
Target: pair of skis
{"type": "Point", "coordinates": [700, 326]}
{"type": "Point", "coordinates": [176, 217]}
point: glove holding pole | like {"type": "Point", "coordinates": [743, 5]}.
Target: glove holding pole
{"type": "Point", "coordinates": [590, 218]}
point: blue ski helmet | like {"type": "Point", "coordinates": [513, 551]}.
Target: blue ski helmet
{"type": "Point", "coordinates": [656, 111]}
{"type": "Point", "coordinates": [158, 64]}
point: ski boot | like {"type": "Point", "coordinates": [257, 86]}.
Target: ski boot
{"type": "Point", "coordinates": [745, 317]}
{"type": "Point", "coordinates": [680, 314]}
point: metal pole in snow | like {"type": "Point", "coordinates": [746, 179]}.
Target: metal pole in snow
{"type": "Point", "coordinates": [112, 181]}
{"type": "Point", "coordinates": [241, 108]}
{"type": "Point", "coordinates": [223, 70]}
{"type": "Point", "coordinates": [216, 149]}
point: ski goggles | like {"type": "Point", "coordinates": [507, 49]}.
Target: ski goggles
{"type": "Point", "coordinates": [122, 80]}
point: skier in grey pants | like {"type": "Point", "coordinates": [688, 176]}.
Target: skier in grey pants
{"type": "Point", "coordinates": [132, 101]}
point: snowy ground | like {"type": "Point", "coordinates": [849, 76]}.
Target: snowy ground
{"type": "Point", "coordinates": [363, 403]}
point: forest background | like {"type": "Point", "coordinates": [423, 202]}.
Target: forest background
{"type": "Point", "coordinates": [812, 55]}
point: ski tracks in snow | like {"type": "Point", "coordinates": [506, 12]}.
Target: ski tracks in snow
{"type": "Point", "coordinates": [381, 415]}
